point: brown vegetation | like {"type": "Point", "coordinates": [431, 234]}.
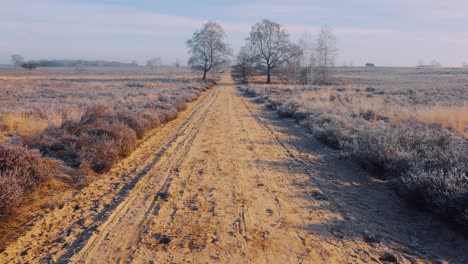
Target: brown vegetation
{"type": "Point", "coordinates": [21, 171]}
{"type": "Point", "coordinates": [87, 121]}
{"type": "Point", "coordinates": [417, 141]}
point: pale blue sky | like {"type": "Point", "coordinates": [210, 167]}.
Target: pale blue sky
{"type": "Point", "coordinates": [386, 32]}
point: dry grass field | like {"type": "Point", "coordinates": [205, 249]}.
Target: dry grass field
{"type": "Point", "coordinates": [80, 121]}
{"type": "Point", "coordinates": [408, 124]}
{"type": "Point", "coordinates": [433, 96]}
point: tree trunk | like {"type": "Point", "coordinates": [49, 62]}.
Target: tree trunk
{"type": "Point", "coordinates": [268, 75]}
{"type": "Point", "coordinates": [204, 75]}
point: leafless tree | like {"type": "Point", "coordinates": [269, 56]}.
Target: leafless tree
{"type": "Point", "coordinates": [154, 63]}
{"type": "Point", "coordinates": [208, 49]}
{"type": "Point", "coordinates": [435, 64]}
{"type": "Point", "coordinates": [465, 64]}
{"type": "Point", "coordinates": [271, 42]}
{"type": "Point", "coordinates": [308, 59]}
{"type": "Point", "coordinates": [246, 64]}
{"type": "Point", "coordinates": [17, 60]}
{"type": "Point", "coordinates": [292, 70]}
{"type": "Point", "coordinates": [421, 63]}
{"type": "Point", "coordinates": [325, 53]}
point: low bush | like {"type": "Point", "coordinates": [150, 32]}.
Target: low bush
{"type": "Point", "coordinates": [92, 138]}
{"type": "Point", "coordinates": [21, 171]}
{"type": "Point", "coordinates": [426, 163]}
{"type": "Point", "coordinates": [105, 133]}
{"type": "Point", "coordinates": [442, 192]}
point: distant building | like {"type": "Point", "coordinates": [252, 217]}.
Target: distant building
{"type": "Point", "coordinates": [370, 65]}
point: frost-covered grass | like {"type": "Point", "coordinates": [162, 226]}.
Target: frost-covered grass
{"type": "Point", "coordinates": [415, 136]}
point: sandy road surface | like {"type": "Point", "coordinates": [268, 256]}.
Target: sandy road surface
{"type": "Point", "coordinates": [228, 182]}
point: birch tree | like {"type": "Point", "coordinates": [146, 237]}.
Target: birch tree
{"type": "Point", "coordinates": [325, 54]}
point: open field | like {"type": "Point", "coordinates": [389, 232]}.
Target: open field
{"type": "Point", "coordinates": [33, 101]}
{"type": "Point", "coordinates": [408, 125]}
{"type": "Point", "coordinates": [433, 96]}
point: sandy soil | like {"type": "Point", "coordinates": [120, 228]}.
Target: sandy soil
{"type": "Point", "coordinates": [229, 182]}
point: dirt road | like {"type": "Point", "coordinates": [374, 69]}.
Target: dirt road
{"type": "Point", "coordinates": [229, 182]}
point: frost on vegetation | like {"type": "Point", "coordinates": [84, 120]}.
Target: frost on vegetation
{"type": "Point", "coordinates": [426, 162]}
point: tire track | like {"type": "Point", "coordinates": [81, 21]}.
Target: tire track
{"type": "Point", "coordinates": [162, 195]}
{"type": "Point", "coordinates": [303, 164]}
{"type": "Point", "coordinates": [178, 146]}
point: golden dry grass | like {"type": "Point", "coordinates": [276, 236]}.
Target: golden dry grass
{"type": "Point", "coordinates": [455, 117]}
{"type": "Point", "coordinates": [22, 124]}
{"type": "Point", "coordinates": [452, 117]}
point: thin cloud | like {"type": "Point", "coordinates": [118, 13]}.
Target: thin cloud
{"type": "Point", "coordinates": [53, 28]}
{"type": "Point", "coordinates": [274, 9]}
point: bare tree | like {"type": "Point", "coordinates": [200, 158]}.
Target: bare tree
{"type": "Point", "coordinates": [308, 59]}
{"type": "Point", "coordinates": [208, 49]}
{"type": "Point", "coordinates": [325, 54]}
{"type": "Point", "coordinates": [421, 63]}
{"type": "Point", "coordinates": [465, 65]}
{"type": "Point", "coordinates": [17, 60]}
{"type": "Point", "coordinates": [154, 63]}
{"type": "Point", "coordinates": [435, 64]}
{"type": "Point", "coordinates": [292, 70]}
{"type": "Point", "coordinates": [271, 42]}
{"type": "Point", "coordinates": [246, 64]}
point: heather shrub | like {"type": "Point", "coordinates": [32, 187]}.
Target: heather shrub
{"type": "Point", "coordinates": [104, 132]}
{"type": "Point", "coordinates": [57, 143]}
{"type": "Point", "coordinates": [168, 115]}
{"type": "Point", "coordinates": [87, 122]}
{"type": "Point", "coordinates": [181, 105]}
{"type": "Point", "coordinates": [152, 118]}
{"type": "Point", "coordinates": [289, 107]}
{"type": "Point", "coordinates": [11, 191]}
{"type": "Point", "coordinates": [138, 122]}
{"type": "Point", "coordinates": [30, 167]}
{"type": "Point", "coordinates": [330, 129]}
{"type": "Point", "coordinates": [123, 137]}
{"type": "Point", "coordinates": [97, 139]}
{"type": "Point", "coordinates": [426, 162]}
{"type": "Point", "coordinates": [442, 192]}
{"type": "Point", "coordinates": [301, 113]}
{"type": "Point", "coordinates": [21, 171]}
{"type": "Point", "coordinates": [191, 95]}
{"type": "Point", "coordinates": [398, 149]}
{"type": "Point", "coordinates": [99, 152]}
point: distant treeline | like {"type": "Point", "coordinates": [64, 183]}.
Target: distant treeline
{"type": "Point", "coordinates": [83, 63]}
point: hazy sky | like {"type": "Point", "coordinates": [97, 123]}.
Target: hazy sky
{"type": "Point", "coordinates": [386, 32]}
